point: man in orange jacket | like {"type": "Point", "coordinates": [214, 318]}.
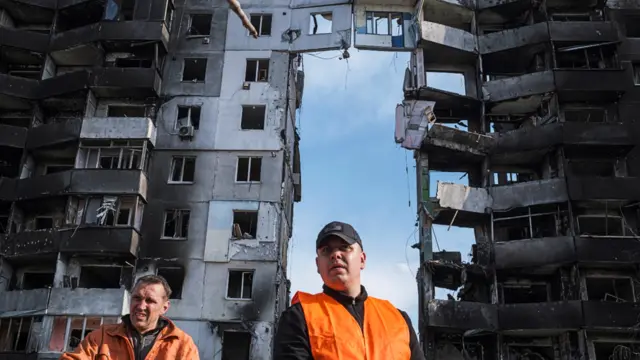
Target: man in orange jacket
{"type": "Point", "coordinates": [143, 334]}
{"type": "Point", "coordinates": [343, 322]}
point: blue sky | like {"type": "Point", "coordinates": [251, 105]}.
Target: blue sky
{"type": "Point", "coordinates": [353, 171]}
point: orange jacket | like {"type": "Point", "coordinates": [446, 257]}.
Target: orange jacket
{"type": "Point", "coordinates": [171, 344]}
{"type": "Point", "coordinates": [335, 334]}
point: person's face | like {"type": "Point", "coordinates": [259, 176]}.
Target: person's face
{"type": "Point", "coordinates": [148, 302]}
{"type": "Point", "coordinates": [339, 264]}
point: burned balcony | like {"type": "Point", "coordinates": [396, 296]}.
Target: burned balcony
{"type": "Point", "coordinates": [69, 47]}
{"type": "Point", "coordinates": [114, 241]}
{"type": "Point", "coordinates": [82, 181]}
{"type": "Point", "coordinates": [461, 315]}
{"type": "Point", "coordinates": [12, 136]}
{"type": "Point", "coordinates": [54, 133]}
{"type": "Point", "coordinates": [68, 331]}
{"type": "Point", "coordinates": [519, 94]}
{"type": "Point", "coordinates": [552, 316]}
{"type": "Point", "coordinates": [26, 25]}
{"type": "Point", "coordinates": [93, 301]}
{"type": "Point", "coordinates": [446, 44]}
{"type": "Point", "coordinates": [118, 128]}
{"type": "Point", "coordinates": [600, 173]}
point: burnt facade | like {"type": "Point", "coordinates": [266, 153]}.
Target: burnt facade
{"type": "Point", "coordinates": [545, 132]}
{"type": "Point", "coordinates": [133, 141]}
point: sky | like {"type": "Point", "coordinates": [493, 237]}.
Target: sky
{"type": "Point", "coordinates": [353, 171]}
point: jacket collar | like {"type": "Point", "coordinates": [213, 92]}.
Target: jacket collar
{"type": "Point", "coordinates": [166, 327]}
{"type": "Point", "coordinates": [346, 299]}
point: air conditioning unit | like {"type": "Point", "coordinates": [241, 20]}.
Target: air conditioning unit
{"type": "Point", "coordinates": [186, 131]}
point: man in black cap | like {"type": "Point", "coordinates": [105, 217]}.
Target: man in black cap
{"type": "Point", "coordinates": [343, 322]}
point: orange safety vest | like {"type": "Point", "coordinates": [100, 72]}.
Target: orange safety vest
{"type": "Point", "coordinates": [335, 334]}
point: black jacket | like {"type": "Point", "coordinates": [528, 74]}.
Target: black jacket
{"type": "Point", "coordinates": [292, 337]}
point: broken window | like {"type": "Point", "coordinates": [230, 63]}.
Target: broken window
{"type": "Point", "coordinates": [615, 289]}
{"type": "Point", "coordinates": [636, 72]}
{"type": "Point", "coordinates": [169, 14]}
{"type": "Point", "coordinates": [321, 23]}
{"type": "Point", "coordinates": [43, 223]}
{"type": "Point", "coordinates": [447, 81]}
{"type": "Point", "coordinates": [20, 334]}
{"type": "Point", "coordinates": [194, 70]}
{"type": "Point", "coordinates": [101, 277]}
{"type": "Point", "coordinates": [536, 224]}
{"type": "Point", "coordinates": [132, 62]}
{"type": "Point", "coordinates": [183, 169]}
{"type": "Point", "coordinates": [384, 23]}
{"type": "Point", "coordinates": [68, 332]}
{"type": "Point", "coordinates": [245, 224]}
{"type": "Point", "coordinates": [587, 115]}
{"type": "Point", "coordinates": [616, 350]}
{"type": "Point", "coordinates": [104, 210]}
{"type": "Point", "coordinates": [249, 169]}
{"type": "Point", "coordinates": [253, 117]}
{"type": "Point", "coordinates": [595, 56]}
{"type": "Point", "coordinates": [508, 178]}
{"type": "Point", "coordinates": [176, 224]}
{"type": "Point", "coordinates": [240, 284]}
{"type": "Point", "coordinates": [175, 278]}
{"type": "Point", "coordinates": [600, 225]}
{"type": "Point", "coordinates": [52, 169]}
{"type": "Point", "coordinates": [530, 350]}
{"type": "Point", "coordinates": [257, 70]}
{"type": "Point", "coordinates": [200, 25]}
{"type": "Point", "coordinates": [262, 24]}
{"type": "Point", "coordinates": [126, 111]}
{"type": "Point", "coordinates": [632, 26]}
{"type": "Point", "coordinates": [522, 292]}
{"type": "Point", "coordinates": [115, 155]}
{"type": "Point", "coordinates": [36, 280]}
{"type": "Point", "coordinates": [236, 345]}
{"type": "Point", "coordinates": [188, 116]}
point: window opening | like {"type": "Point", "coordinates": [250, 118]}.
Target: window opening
{"type": "Point", "coordinates": [600, 225]}
{"type": "Point", "coordinates": [175, 278]}
{"type": "Point", "coordinates": [262, 24]}
{"type": "Point", "coordinates": [194, 70]}
{"type": "Point", "coordinates": [524, 292]}
{"type": "Point", "coordinates": [240, 284]}
{"type": "Point", "coordinates": [236, 345]}
{"type": "Point", "coordinates": [253, 117]}
{"type": "Point", "coordinates": [126, 111]}
{"type": "Point", "coordinates": [384, 23]}
{"type": "Point", "coordinates": [321, 23]}
{"type": "Point", "coordinates": [101, 277]}
{"type": "Point", "coordinates": [249, 169]}
{"type": "Point", "coordinates": [257, 70]}
{"type": "Point", "coordinates": [176, 224]}
{"type": "Point", "coordinates": [200, 25]}
{"type": "Point", "coordinates": [183, 169]}
{"type": "Point", "coordinates": [245, 224]}
{"type": "Point", "coordinates": [36, 280]}
{"type": "Point", "coordinates": [610, 289]}
{"type": "Point", "coordinates": [188, 115]}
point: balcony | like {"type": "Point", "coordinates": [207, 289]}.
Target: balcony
{"type": "Point", "coordinates": [505, 93]}
{"type": "Point", "coordinates": [555, 316]}
{"type": "Point", "coordinates": [446, 44]}
{"type": "Point", "coordinates": [603, 188]}
{"type": "Point", "coordinates": [92, 240]}
{"type": "Point", "coordinates": [23, 302]}
{"type": "Point", "coordinates": [596, 84]}
{"type": "Point", "coordinates": [583, 31]}
{"type": "Point", "coordinates": [88, 302]}
{"type": "Point", "coordinates": [31, 243]}
{"type": "Point", "coordinates": [82, 181]}
{"type": "Point", "coordinates": [24, 39]}
{"type": "Point", "coordinates": [126, 82]}
{"type": "Point", "coordinates": [110, 31]}
{"type": "Point", "coordinates": [12, 136]}
{"type": "Point", "coordinates": [106, 82]}
{"type": "Point", "coordinates": [116, 128]}
{"type": "Point", "coordinates": [513, 38]}
{"type": "Point", "coordinates": [536, 252]}
{"type": "Point", "coordinates": [53, 134]}
{"type": "Point", "coordinates": [607, 250]}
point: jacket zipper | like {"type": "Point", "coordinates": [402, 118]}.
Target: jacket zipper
{"type": "Point", "coordinates": [364, 338]}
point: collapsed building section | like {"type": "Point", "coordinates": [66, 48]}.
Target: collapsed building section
{"type": "Point", "coordinates": [545, 132]}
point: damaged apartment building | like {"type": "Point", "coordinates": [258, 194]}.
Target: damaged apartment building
{"type": "Point", "coordinates": [146, 137]}
{"type": "Point", "coordinates": [546, 136]}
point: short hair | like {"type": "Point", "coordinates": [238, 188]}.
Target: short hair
{"type": "Point", "coordinates": [152, 280]}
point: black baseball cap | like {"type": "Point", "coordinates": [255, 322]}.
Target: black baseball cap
{"type": "Point", "coordinates": [342, 230]}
